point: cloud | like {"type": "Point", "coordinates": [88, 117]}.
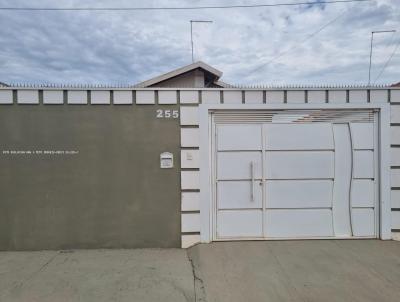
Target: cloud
{"type": "Point", "coordinates": [128, 47]}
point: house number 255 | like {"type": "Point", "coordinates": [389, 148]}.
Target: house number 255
{"type": "Point", "coordinates": [167, 113]}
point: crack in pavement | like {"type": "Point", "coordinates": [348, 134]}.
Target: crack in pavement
{"type": "Point", "coordinates": [198, 283]}
{"type": "Point", "coordinates": [20, 284]}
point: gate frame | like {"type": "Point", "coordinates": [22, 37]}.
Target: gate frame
{"type": "Point", "coordinates": [206, 194]}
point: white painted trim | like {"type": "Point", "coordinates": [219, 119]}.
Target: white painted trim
{"type": "Point", "coordinates": [395, 198]}
{"type": "Point", "coordinates": [233, 97]}
{"type": "Point", "coordinates": [189, 159]}
{"type": "Point", "coordinates": [396, 219]}
{"type": "Point", "coordinates": [395, 95]}
{"type": "Point", "coordinates": [189, 240]}
{"type": "Point", "coordinates": [28, 97]}
{"type": "Point", "coordinates": [205, 168]}
{"type": "Point", "coordinates": [77, 97]}
{"type": "Point", "coordinates": [122, 97]}
{"type": "Point", "coordinates": [6, 96]}
{"type": "Point", "coordinates": [189, 137]}
{"type": "Point", "coordinates": [395, 177]}
{"type": "Point", "coordinates": [337, 96]}
{"type": "Point", "coordinates": [189, 115]}
{"type": "Point", "coordinates": [267, 88]}
{"type": "Point", "coordinates": [275, 96]}
{"type": "Point", "coordinates": [396, 236]}
{"type": "Point", "coordinates": [358, 96]}
{"type": "Point", "coordinates": [292, 238]}
{"type": "Point", "coordinates": [190, 222]}
{"type": "Point", "coordinates": [145, 97]}
{"type": "Point", "coordinates": [167, 97]}
{"type": "Point", "coordinates": [205, 157]}
{"type": "Point", "coordinates": [254, 96]}
{"type": "Point", "coordinates": [296, 97]}
{"type": "Point", "coordinates": [395, 135]}
{"type": "Point", "coordinates": [53, 97]}
{"type": "Point", "coordinates": [317, 96]}
{"type": "Point", "coordinates": [395, 156]}
{"type": "Point", "coordinates": [211, 96]}
{"type": "Point", "coordinates": [100, 97]}
{"type": "Point", "coordinates": [379, 96]}
{"type": "Point", "coordinates": [395, 114]}
{"type": "Point", "coordinates": [189, 96]}
{"type": "Point", "coordinates": [190, 201]}
{"type": "Point", "coordinates": [190, 180]}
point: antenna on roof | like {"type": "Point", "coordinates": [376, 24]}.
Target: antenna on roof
{"type": "Point", "coordinates": [191, 32]}
{"type": "Point", "coordinates": [370, 51]}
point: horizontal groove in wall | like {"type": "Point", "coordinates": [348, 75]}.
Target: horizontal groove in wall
{"type": "Point", "coordinates": [190, 212]}
{"type": "Point", "coordinates": [190, 233]}
{"type": "Point", "coordinates": [190, 169]}
{"type": "Point", "coordinates": [190, 190]}
{"type": "Point", "coordinates": [396, 230]}
{"type": "Point", "coordinates": [394, 124]}
{"type": "Point", "coordinates": [189, 104]}
{"type": "Point", "coordinates": [395, 209]}
{"type": "Point", "coordinates": [395, 188]}
{"type": "Point", "coordinates": [190, 148]}
{"type": "Point", "coordinates": [189, 126]}
{"type": "Point", "coordinates": [394, 167]}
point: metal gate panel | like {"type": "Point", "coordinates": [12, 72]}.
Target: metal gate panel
{"type": "Point", "coordinates": [298, 193]}
{"type": "Point", "coordinates": [239, 165]}
{"type": "Point", "coordinates": [298, 136]}
{"type": "Point", "coordinates": [298, 223]}
{"type": "Point", "coordinates": [237, 224]}
{"type": "Point", "coordinates": [237, 194]}
{"type": "Point", "coordinates": [299, 165]}
{"type": "Point", "coordinates": [239, 137]}
{"type": "Point", "coordinates": [295, 174]}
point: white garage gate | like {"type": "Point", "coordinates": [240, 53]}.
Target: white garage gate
{"type": "Point", "coordinates": [294, 174]}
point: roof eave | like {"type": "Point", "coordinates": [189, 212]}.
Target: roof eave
{"type": "Point", "coordinates": [180, 71]}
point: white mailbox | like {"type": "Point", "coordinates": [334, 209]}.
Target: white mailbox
{"type": "Point", "coordinates": [166, 160]}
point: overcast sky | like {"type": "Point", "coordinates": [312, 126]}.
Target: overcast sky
{"type": "Point", "coordinates": [251, 46]}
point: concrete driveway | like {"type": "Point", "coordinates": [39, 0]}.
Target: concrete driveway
{"type": "Point", "coordinates": [321, 270]}
{"type": "Point", "coordinates": [314, 270]}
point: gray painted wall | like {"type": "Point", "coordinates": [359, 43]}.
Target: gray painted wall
{"type": "Point", "coordinates": [112, 194]}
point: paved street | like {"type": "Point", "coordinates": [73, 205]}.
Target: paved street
{"type": "Point", "coordinates": [96, 275]}
{"type": "Point", "coordinates": [319, 270]}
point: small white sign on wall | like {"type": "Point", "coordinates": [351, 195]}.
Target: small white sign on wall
{"type": "Point", "coordinates": [166, 160]}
